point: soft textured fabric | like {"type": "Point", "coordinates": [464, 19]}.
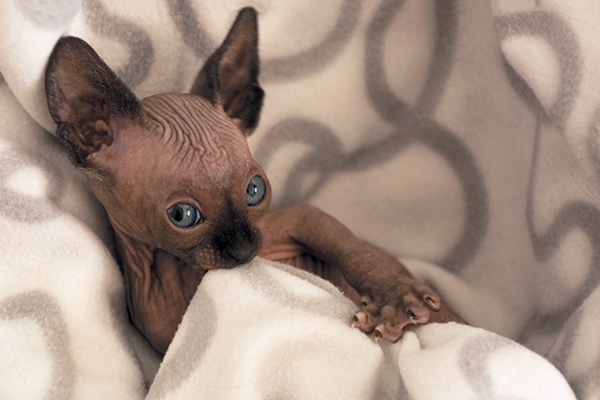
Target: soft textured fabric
{"type": "Point", "coordinates": [460, 133]}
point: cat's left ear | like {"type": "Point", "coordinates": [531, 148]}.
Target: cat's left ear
{"type": "Point", "coordinates": [84, 96]}
{"type": "Point", "coordinates": [230, 76]}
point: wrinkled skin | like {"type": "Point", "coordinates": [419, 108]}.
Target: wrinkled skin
{"type": "Point", "coordinates": [143, 157]}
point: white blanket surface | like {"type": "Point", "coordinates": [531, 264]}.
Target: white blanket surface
{"type": "Point", "coordinates": [462, 134]}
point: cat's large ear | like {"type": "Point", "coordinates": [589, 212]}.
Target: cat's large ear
{"type": "Point", "coordinates": [84, 95]}
{"type": "Point", "coordinates": [230, 76]}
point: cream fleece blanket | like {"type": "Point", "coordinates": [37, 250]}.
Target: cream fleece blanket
{"type": "Point", "coordinates": [461, 133]}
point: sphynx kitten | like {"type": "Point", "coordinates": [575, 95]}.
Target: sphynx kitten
{"type": "Point", "coordinates": [184, 195]}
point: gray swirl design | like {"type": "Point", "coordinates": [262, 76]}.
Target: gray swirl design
{"type": "Point", "coordinates": [43, 310]}
{"type": "Point", "coordinates": [380, 93]}
{"type": "Point", "coordinates": [473, 360]}
{"type": "Point", "coordinates": [275, 69]}
{"type": "Point", "coordinates": [525, 92]}
{"type": "Point", "coordinates": [443, 55]}
{"type": "Point", "coordinates": [559, 352]}
{"type": "Point", "coordinates": [453, 150]}
{"type": "Point", "coordinates": [183, 361]}
{"type": "Point", "coordinates": [141, 51]}
{"type": "Point", "coordinates": [325, 159]}
{"type": "Point", "coordinates": [575, 215]}
{"type": "Point", "coordinates": [192, 33]}
{"type": "Point", "coordinates": [414, 124]}
{"type": "Point", "coordinates": [19, 207]}
{"type": "Point", "coordinates": [322, 54]}
{"type": "Point", "coordinates": [283, 294]}
{"type": "Point", "coordinates": [561, 39]}
{"type": "Point", "coordinates": [382, 97]}
{"type": "Point", "coordinates": [593, 190]}
{"type": "Point", "coordinates": [593, 149]}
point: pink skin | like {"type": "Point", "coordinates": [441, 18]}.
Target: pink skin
{"type": "Point", "coordinates": [142, 158]}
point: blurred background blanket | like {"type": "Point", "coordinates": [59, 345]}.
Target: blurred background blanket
{"type": "Point", "coordinates": [463, 134]}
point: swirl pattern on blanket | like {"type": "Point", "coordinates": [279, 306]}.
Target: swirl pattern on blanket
{"type": "Point", "coordinates": [459, 132]}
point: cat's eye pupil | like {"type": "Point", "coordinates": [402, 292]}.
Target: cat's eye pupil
{"type": "Point", "coordinates": [177, 214]}
{"type": "Point", "coordinates": [184, 215]}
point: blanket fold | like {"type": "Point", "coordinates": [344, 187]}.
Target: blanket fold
{"type": "Point", "coordinates": [265, 330]}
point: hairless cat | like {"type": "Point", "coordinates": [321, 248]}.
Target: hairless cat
{"type": "Point", "coordinates": [184, 195]}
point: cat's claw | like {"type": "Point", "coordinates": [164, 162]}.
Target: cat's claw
{"type": "Point", "coordinates": [408, 303]}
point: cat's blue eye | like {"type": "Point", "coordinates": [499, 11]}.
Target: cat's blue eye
{"type": "Point", "coordinates": [184, 215]}
{"type": "Point", "coordinates": [255, 191]}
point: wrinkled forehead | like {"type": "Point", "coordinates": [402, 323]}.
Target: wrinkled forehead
{"type": "Point", "coordinates": [194, 131]}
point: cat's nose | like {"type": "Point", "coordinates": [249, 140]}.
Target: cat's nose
{"type": "Point", "coordinates": [242, 253]}
{"type": "Point", "coordinates": [239, 244]}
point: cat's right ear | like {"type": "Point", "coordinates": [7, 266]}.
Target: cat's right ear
{"type": "Point", "coordinates": [230, 75]}
{"type": "Point", "coordinates": [84, 95]}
